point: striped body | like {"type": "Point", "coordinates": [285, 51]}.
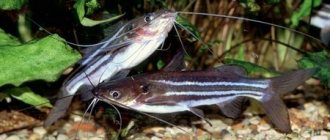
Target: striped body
{"type": "Point", "coordinates": [176, 91]}
{"type": "Point", "coordinates": [321, 19]}
{"type": "Point", "coordinates": [226, 86]}
{"type": "Point", "coordinates": [144, 40]}
{"type": "Point", "coordinates": [135, 41]}
{"type": "Point", "coordinates": [109, 64]}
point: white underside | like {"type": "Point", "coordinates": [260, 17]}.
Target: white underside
{"type": "Point", "coordinates": [184, 105]}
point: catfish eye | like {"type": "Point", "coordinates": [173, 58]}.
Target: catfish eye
{"type": "Point", "coordinates": [115, 94]}
{"type": "Point", "coordinates": [148, 18]}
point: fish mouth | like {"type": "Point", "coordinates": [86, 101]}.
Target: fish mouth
{"type": "Point", "coordinates": [159, 27]}
{"type": "Point", "coordinates": [169, 13]}
{"type": "Point", "coordinates": [169, 16]}
{"type": "Point", "coordinates": [109, 101]}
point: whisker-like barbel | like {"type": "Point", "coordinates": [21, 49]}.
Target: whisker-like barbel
{"type": "Point", "coordinates": [252, 20]}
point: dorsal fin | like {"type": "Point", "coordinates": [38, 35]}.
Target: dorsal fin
{"type": "Point", "coordinates": [233, 108]}
{"type": "Point", "coordinates": [231, 70]}
{"type": "Point", "coordinates": [110, 32]}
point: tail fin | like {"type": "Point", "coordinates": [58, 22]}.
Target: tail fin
{"type": "Point", "coordinates": [291, 80]}
{"type": "Point", "coordinates": [274, 107]}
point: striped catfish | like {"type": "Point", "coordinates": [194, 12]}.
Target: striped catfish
{"type": "Point", "coordinates": [133, 43]}
{"type": "Point", "coordinates": [226, 86]}
{"type": "Point", "coordinates": [321, 19]}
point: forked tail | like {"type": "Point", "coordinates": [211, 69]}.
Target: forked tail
{"type": "Point", "coordinates": [272, 104]}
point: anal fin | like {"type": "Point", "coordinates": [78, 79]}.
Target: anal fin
{"type": "Point", "coordinates": [233, 108]}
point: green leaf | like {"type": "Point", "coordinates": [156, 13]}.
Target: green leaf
{"type": "Point", "coordinates": [251, 5]}
{"type": "Point", "coordinates": [7, 39]}
{"type": "Point", "coordinates": [44, 59]}
{"type": "Point", "coordinates": [209, 45]}
{"type": "Point", "coordinates": [160, 64]}
{"type": "Point", "coordinates": [11, 4]}
{"type": "Point", "coordinates": [320, 60]}
{"type": "Point", "coordinates": [253, 69]}
{"type": "Point", "coordinates": [304, 10]}
{"type": "Point", "coordinates": [24, 28]}
{"type": "Point", "coordinates": [92, 5]}
{"type": "Point", "coordinates": [273, 1]}
{"type": "Point", "coordinates": [27, 96]}
{"type": "Point", "coordinates": [80, 10]}
{"type": "Point", "coordinates": [89, 22]}
{"type": "Point", "coordinates": [184, 23]}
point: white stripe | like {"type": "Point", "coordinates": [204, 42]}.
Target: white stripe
{"type": "Point", "coordinates": [216, 100]}
{"type": "Point", "coordinates": [210, 101]}
{"type": "Point", "coordinates": [75, 82]}
{"type": "Point", "coordinates": [183, 105]}
{"type": "Point", "coordinates": [158, 108]}
{"type": "Point", "coordinates": [218, 93]}
{"type": "Point", "coordinates": [261, 84]}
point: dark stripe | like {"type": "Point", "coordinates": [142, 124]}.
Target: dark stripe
{"type": "Point", "coordinates": [101, 65]}
{"type": "Point", "coordinates": [81, 71]}
{"type": "Point", "coordinates": [114, 54]}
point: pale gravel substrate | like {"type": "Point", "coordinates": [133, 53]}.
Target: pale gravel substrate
{"type": "Point", "coordinates": [66, 132]}
{"type": "Point", "coordinates": [311, 122]}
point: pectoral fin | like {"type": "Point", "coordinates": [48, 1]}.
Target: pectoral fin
{"type": "Point", "coordinates": [85, 93]}
{"type": "Point", "coordinates": [199, 113]}
{"type": "Point", "coordinates": [233, 108]}
{"type": "Point", "coordinates": [176, 64]}
{"type": "Point", "coordinates": [119, 75]}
